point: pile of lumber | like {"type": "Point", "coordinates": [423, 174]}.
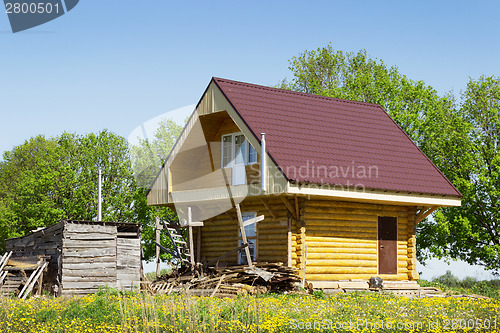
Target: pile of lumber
{"type": "Point", "coordinates": [228, 281]}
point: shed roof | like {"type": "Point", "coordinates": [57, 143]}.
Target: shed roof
{"type": "Point", "coordinates": [323, 140]}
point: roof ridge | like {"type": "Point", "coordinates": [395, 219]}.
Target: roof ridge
{"type": "Point", "coordinates": [293, 92]}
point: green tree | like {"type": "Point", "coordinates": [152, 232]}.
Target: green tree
{"type": "Point", "coordinates": [150, 153]}
{"type": "Point", "coordinates": [148, 157]}
{"type": "Point", "coordinates": [471, 232]}
{"type": "Point", "coordinates": [462, 140]}
{"type": "Point", "coordinates": [46, 180]}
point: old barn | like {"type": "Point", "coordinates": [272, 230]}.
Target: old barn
{"type": "Point", "coordinates": [341, 186]}
{"type": "Point", "coordinates": [81, 256]}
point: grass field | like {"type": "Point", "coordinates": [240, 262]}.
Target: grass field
{"type": "Point", "coordinates": [111, 311]}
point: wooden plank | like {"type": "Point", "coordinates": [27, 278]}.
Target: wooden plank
{"type": "Point", "coordinates": [31, 281]}
{"type": "Point", "coordinates": [269, 209]}
{"type": "Point", "coordinates": [424, 213]}
{"type": "Point", "coordinates": [227, 254]}
{"type": "Point", "coordinates": [88, 285]}
{"type": "Point", "coordinates": [70, 244]}
{"type": "Point", "coordinates": [289, 206]}
{"type": "Point", "coordinates": [289, 244]}
{"type": "Point", "coordinates": [297, 206]}
{"type": "Point", "coordinates": [83, 227]}
{"type": "Point", "coordinates": [244, 236]}
{"type": "Point", "coordinates": [88, 265]}
{"type": "Point", "coordinates": [190, 236]}
{"type": "Point", "coordinates": [253, 220]}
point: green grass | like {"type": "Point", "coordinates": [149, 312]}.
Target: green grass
{"type": "Point", "coordinates": [468, 286]}
{"type": "Point", "coordinates": [113, 311]}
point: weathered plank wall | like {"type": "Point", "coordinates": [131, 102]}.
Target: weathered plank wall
{"type": "Point", "coordinates": [341, 240]}
{"type": "Point", "coordinates": [88, 258]}
{"type": "Point", "coordinates": [128, 261]}
{"type": "Point", "coordinates": [47, 242]}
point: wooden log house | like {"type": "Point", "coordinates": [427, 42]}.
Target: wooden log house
{"type": "Point", "coordinates": [84, 256]}
{"type": "Point", "coordinates": [340, 184]}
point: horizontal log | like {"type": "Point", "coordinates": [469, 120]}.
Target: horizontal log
{"type": "Point", "coordinates": [340, 263]}
{"type": "Point", "coordinates": [349, 204]}
{"type": "Point", "coordinates": [339, 240]}
{"type": "Point", "coordinates": [338, 277]}
{"type": "Point", "coordinates": [322, 216]}
{"type": "Point", "coordinates": [341, 223]}
{"type": "Point", "coordinates": [351, 256]}
{"type": "Point", "coordinates": [215, 235]}
{"type": "Point", "coordinates": [268, 226]}
{"type": "Point", "coordinates": [341, 234]}
{"type": "Point", "coordinates": [352, 249]}
{"type": "Point", "coordinates": [272, 253]}
{"type": "Point", "coordinates": [355, 211]}
{"type": "Point", "coordinates": [271, 258]}
{"type": "Point", "coordinates": [217, 249]}
{"type": "Point", "coordinates": [272, 247]}
{"type": "Point", "coordinates": [372, 232]}
{"type": "Point", "coordinates": [340, 270]}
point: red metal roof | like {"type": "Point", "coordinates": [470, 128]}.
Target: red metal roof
{"type": "Point", "coordinates": [322, 140]}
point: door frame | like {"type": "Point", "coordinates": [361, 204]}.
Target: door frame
{"type": "Point", "coordinates": [395, 240]}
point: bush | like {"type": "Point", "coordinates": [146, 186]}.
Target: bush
{"type": "Point", "coordinates": [448, 280]}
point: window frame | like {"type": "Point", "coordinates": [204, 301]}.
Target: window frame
{"type": "Point", "coordinates": [246, 158]}
{"type": "Point", "coordinates": [242, 252]}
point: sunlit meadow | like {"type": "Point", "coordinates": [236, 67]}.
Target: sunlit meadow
{"type": "Point", "coordinates": [111, 311]}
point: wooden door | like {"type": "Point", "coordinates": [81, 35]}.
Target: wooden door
{"type": "Point", "coordinates": [387, 245]}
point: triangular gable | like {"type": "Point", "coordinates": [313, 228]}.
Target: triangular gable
{"type": "Point", "coordinates": [211, 102]}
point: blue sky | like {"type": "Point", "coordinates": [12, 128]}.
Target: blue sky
{"type": "Point", "coordinates": [116, 64]}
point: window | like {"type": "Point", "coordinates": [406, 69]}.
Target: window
{"type": "Point", "coordinates": [236, 150]}
{"type": "Point", "coordinates": [251, 232]}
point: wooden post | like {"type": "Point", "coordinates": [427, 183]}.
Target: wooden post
{"type": "Point", "coordinates": [289, 244]}
{"type": "Point", "coordinates": [158, 228]}
{"type": "Point", "coordinates": [190, 235]}
{"type": "Point", "coordinates": [198, 246]}
{"type": "Point", "coordinates": [305, 268]}
{"type": "Point", "coordinates": [244, 236]}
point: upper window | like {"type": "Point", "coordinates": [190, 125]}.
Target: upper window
{"type": "Point", "coordinates": [236, 150]}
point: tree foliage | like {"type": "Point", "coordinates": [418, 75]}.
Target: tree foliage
{"type": "Point", "coordinates": [471, 232]}
{"type": "Point", "coordinates": [147, 158]}
{"type": "Point", "coordinates": [462, 139]}
{"type": "Point", "coordinates": [46, 180]}
{"type": "Point", "coordinates": [150, 153]}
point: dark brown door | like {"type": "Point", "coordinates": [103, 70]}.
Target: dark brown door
{"type": "Point", "coordinates": [387, 245]}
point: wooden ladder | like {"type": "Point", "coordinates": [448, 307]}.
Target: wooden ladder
{"type": "Point", "coordinates": [180, 248]}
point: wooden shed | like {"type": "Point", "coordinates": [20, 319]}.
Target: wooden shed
{"type": "Point", "coordinates": [84, 256]}
{"type": "Point", "coordinates": [341, 186]}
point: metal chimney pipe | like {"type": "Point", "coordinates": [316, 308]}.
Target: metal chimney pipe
{"type": "Point", "coordinates": [99, 202]}
{"type": "Point", "coordinates": [263, 165]}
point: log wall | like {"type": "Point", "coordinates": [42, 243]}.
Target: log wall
{"type": "Point", "coordinates": [341, 240]}
{"type": "Point", "coordinates": [331, 240]}
{"type": "Point", "coordinates": [219, 234]}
